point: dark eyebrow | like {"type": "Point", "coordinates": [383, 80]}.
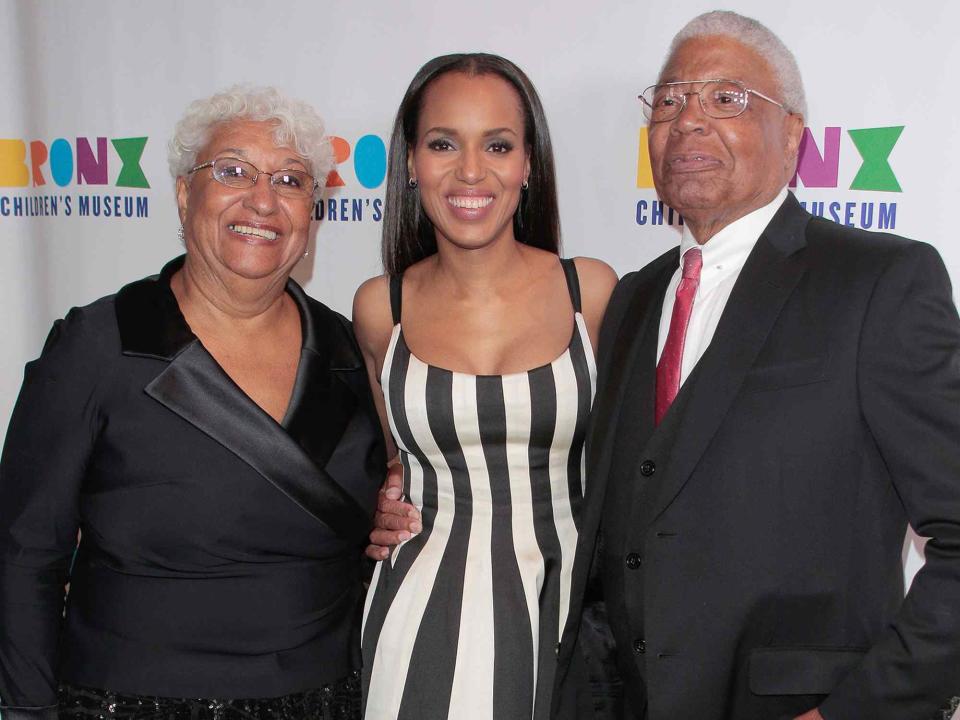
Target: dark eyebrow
{"type": "Point", "coordinates": [440, 130]}
{"type": "Point", "coordinates": [487, 133]}
{"type": "Point", "coordinates": [500, 131]}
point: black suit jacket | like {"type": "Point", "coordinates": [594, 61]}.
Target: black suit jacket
{"type": "Point", "coordinates": [750, 547]}
{"type": "Point", "coordinates": [220, 551]}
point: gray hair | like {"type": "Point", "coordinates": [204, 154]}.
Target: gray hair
{"type": "Point", "coordinates": [757, 37]}
{"type": "Point", "coordinates": [297, 126]}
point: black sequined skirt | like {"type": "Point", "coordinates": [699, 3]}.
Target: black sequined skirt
{"type": "Point", "coordinates": [337, 701]}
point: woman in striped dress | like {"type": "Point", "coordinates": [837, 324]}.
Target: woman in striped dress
{"type": "Point", "coordinates": [478, 342]}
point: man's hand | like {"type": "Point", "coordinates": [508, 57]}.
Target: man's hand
{"type": "Point", "coordinates": [395, 520]}
{"type": "Point", "coordinates": [811, 715]}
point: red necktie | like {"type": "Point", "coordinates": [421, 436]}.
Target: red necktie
{"type": "Point", "coordinates": [668, 370]}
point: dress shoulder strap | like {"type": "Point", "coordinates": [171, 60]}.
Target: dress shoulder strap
{"type": "Point", "coordinates": [396, 296]}
{"type": "Point", "coordinates": [573, 281]}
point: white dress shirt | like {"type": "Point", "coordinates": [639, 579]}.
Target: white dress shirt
{"type": "Point", "coordinates": [723, 258]}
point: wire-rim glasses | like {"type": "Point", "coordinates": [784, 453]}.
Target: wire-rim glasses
{"type": "Point", "coordinates": [719, 98]}
{"type": "Point", "coordinates": [236, 173]}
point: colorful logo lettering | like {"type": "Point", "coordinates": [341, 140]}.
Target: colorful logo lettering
{"type": "Point", "coordinates": [13, 169]}
{"type": "Point", "coordinates": [818, 168]}
{"type": "Point", "coordinates": [874, 146]}
{"type": "Point", "coordinates": [92, 165]}
{"type": "Point", "coordinates": [369, 161]}
{"type": "Point", "coordinates": [814, 169]}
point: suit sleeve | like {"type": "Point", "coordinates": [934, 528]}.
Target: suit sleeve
{"type": "Point", "coordinates": [909, 383]}
{"type": "Point", "coordinates": [590, 685]}
{"type": "Point", "coordinates": [49, 440]}
{"type": "Point", "coordinates": [612, 319]}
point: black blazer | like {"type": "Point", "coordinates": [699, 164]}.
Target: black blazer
{"type": "Point", "coordinates": [220, 552]}
{"type": "Point", "coordinates": [751, 544]}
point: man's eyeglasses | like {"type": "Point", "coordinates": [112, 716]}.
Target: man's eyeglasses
{"type": "Point", "coordinates": [237, 173]}
{"type": "Point", "coordinates": [719, 99]}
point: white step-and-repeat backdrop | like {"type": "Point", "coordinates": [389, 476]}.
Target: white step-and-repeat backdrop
{"type": "Point", "coordinates": [91, 91]}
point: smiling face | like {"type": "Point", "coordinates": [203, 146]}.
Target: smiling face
{"type": "Point", "coordinates": [470, 158]}
{"type": "Point", "coordinates": [251, 232]}
{"type": "Point", "coordinates": [714, 171]}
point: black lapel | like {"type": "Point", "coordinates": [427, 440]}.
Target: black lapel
{"type": "Point", "coordinates": [636, 335]}
{"type": "Point", "coordinates": [149, 318]}
{"type": "Point", "coordinates": [197, 389]}
{"type": "Point", "coordinates": [769, 276]}
{"type": "Point", "coordinates": [635, 342]}
{"type": "Point", "coordinates": [331, 380]}
{"type": "Point", "coordinates": [633, 331]}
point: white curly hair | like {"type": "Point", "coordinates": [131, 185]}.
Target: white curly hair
{"type": "Point", "coordinates": [759, 38]}
{"type": "Point", "coordinates": [297, 125]}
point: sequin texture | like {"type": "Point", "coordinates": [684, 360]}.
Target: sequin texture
{"type": "Point", "coordinates": [337, 701]}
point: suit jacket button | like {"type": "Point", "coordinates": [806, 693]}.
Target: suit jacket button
{"type": "Point", "coordinates": [639, 646]}
{"type": "Point", "coordinates": [634, 561]}
{"type": "Point", "coordinates": [648, 468]}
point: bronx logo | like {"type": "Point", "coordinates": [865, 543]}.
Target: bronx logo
{"type": "Point", "coordinates": [61, 159]}
{"type": "Point", "coordinates": [821, 169]}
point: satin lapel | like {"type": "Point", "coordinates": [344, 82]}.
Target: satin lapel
{"type": "Point", "coordinates": [195, 387]}
{"type": "Point", "coordinates": [330, 381]}
{"type": "Point", "coordinates": [770, 274]}
{"type": "Point", "coordinates": [320, 409]}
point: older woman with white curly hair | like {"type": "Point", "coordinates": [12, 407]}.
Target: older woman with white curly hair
{"type": "Point", "coordinates": [210, 433]}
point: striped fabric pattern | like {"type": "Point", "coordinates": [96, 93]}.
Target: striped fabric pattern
{"type": "Point", "coordinates": [462, 621]}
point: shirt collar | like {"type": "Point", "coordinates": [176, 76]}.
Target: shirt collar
{"type": "Point", "coordinates": [727, 251]}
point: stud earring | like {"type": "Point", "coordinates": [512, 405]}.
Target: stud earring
{"type": "Point", "coordinates": [412, 182]}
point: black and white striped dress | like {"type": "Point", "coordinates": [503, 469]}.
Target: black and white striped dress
{"type": "Point", "coordinates": [462, 621]}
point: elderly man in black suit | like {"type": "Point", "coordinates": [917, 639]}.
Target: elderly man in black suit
{"type": "Point", "coordinates": [779, 397]}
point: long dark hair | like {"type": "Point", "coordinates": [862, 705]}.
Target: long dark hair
{"type": "Point", "coordinates": [408, 234]}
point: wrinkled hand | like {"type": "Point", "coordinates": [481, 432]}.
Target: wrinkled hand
{"type": "Point", "coordinates": [395, 520]}
{"type": "Point", "coordinates": [810, 715]}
